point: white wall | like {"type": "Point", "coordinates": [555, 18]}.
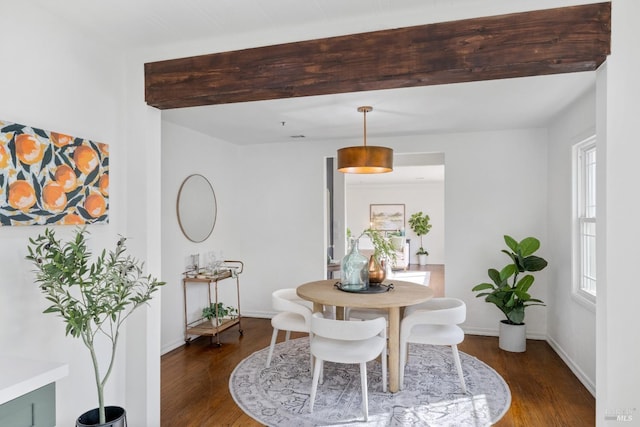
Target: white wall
{"type": "Point", "coordinates": [67, 83]}
{"type": "Point", "coordinates": [475, 240]}
{"type": "Point", "coordinates": [84, 96]}
{"type": "Point", "coordinates": [426, 197]}
{"type": "Point", "coordinates": [486, 173]}
{"type": "Point", "coordinates": [279, 203]}
{"type": "Point", "coordinates": [571, 325]}
{"type": "Point", "coordinates": [618, 349]}
{"type": "Point", "coordinates": [185, 152]}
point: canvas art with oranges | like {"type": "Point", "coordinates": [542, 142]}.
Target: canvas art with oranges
{"type": "Point", "coordinates": [51, 178]}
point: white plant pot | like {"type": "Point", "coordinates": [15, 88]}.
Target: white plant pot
{"type": "Point", "coordinates": [512, 337]}
{"type": "Point", "coordinates": [422, 259]}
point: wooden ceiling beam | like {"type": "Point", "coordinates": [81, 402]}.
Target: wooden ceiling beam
{"type": "Point", "coordinates": [552, 41]}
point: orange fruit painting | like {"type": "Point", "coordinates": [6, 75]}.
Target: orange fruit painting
{"type": "Point", "coordinates": [28, 149]}
{"type": "Point", "coordinates": [72, 219]}
{"type": "Point", "coordinates": [85, 159]}
{"type": "Point", "coordinates": [54, 197]}
{"type": "Point", "coordinates": [51, 178]}
{"type": "Point", "coordinates": [4, 156]}
{"type": "Point", "coordinates": [66, 177]}
{"type": "Point", "coordinates": [21, 195]}
{"type": "Point", "coordinates": [104, 148]}
{"type": "Point", "coordinates": [104, 184]}
{"type": "Point", "coordinates": [95, 205]}
{"type": "Point", "coordinates": [60, 139]}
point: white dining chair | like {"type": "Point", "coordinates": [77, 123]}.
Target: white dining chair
{"type": "Point", "coordinates": [294, 315]}
{"type": "Point", "coordinates": [342, 341]}
{"type": "Point", "coordinates": [433, 322]}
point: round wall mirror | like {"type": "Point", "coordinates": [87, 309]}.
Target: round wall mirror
{"type": "Point", "coordinates": [196, 208]}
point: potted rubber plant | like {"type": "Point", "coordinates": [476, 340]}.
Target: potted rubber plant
{"type": "Point", "coordinates": [510, 291]}
{"type": "Point", "coordinates": [93, 298]}
{"type": "Point", "coordinates": [420, 225]}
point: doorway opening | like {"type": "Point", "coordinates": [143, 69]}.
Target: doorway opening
{"type": "Point", "coordinates": [417, 184]}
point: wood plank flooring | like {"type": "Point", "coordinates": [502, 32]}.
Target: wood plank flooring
{"type": "Point", "coordinates": [195, 380]}
{"type": "Point", "coordinates": [195, 377]}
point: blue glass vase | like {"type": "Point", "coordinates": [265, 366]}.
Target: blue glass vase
{"type": "Point", "coordinates": [354, 269]}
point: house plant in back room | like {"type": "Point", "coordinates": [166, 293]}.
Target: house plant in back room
{"type": "Point", "coordinates": [510, 294]}
{"type": "Point", "coordinates": [94, 298]}
{"type": "Point", "coordinates": [420, 225]}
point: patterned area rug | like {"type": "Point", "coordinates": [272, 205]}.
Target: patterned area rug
{"type": "Point", "coordinates": [279, 395]}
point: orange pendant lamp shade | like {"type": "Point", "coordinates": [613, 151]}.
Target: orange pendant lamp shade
{"type": "Point", "coordinates": [365, 159]}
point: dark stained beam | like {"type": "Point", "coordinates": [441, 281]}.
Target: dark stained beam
{"type": "Point", "coordinates": [552, 41]}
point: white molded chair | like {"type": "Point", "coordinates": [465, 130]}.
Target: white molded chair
{"type": "Point", "coordinates": [343, 341]}
{"type": "Point", "coordinates": [294, 315]}
{"type": "Point", "coordinates": [433, 322]}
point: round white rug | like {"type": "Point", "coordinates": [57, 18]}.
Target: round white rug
{"type": "Point", "coordinates": [279, 395]}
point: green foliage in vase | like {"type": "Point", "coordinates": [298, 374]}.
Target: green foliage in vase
{"type": "Point", "coordinates": [382, 247]}
{"type": "Point", "coordinates": [93, 298]}
{"type": "Point", "coordinates": [507, 292]}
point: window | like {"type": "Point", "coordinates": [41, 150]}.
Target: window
{"type": "Point", "coordinates": [585, 220]}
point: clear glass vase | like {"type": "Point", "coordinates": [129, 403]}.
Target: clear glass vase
{"type": "Point", "coordinates": [354, 269]}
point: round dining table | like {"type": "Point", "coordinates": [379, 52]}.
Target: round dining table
{"type": "Point", "coordinates": [325, 293]}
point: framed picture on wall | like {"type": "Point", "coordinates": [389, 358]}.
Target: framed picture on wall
{"type": "Point", "coordinates": [387, 217]}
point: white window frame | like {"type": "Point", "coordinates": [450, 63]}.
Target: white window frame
{"type": "Point", "coordinates": [584, 215]}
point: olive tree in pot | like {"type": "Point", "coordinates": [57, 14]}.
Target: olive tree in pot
{"type": "Point", "coordinates": [510, 293]}
{"type": "Point", "coordinates": [93, 298]}
{"type": "Point", "coordinates": [420, 225]}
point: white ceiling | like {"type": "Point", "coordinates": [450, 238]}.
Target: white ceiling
{"type": "Point", "coordinates": [496, 104]}
{"type": "Point", "coordinates": [466, 107]}
{"type": "Point", "coordinates": [500, 104]}
{"type": "Point", "coordinates": [148, 23]}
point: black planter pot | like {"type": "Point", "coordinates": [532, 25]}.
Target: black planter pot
{"type": "Point", "coordinates": [115, 416]}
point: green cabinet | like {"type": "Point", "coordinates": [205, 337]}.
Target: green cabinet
{"type": "Point", "coordinates": [34, 409]}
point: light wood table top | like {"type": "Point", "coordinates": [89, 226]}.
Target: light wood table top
{"type": "Point", "coordinates": [323, 292]}
{"type": "Point", "coordinates": [403, 294]}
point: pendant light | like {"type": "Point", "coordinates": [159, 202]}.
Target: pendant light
{"type": "Point", "coordinates": [365, 158]}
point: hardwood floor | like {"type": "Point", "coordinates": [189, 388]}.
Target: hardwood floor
{"type": "Point", "coordinates": [436, 279]}
{"type": "Point", "coordinates": [195, 378]}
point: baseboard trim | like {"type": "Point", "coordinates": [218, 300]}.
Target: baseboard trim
{"type": "Point", "coordinates": [579, 373]}
{"type": "Point", "coordinates": [494, 333]}
{"type": "Point", "coordinates": [180, 342]}
{"type": "Point", "coordinates": [259, 314]}
{"type": "Point", "coordinates": [584, 379]}
{"type": "Point", "coordinates": [171, 346]}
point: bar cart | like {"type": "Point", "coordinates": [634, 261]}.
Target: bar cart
{"type": "Point", "coordinates": [204, 327]}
